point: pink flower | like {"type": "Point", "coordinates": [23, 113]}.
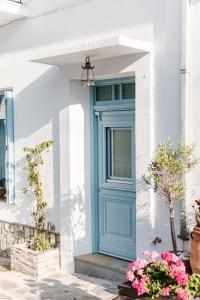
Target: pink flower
{"type": "Point", "coordinates": [140, 288]}
{"type": "Point", "coordinates": [154, 254]}
{"type": "Point", "coordinates": [138, 264]}
{"type": "Point", "coordinates": [146, 253]}
{"type": "Point", "coordinates": [140, 272]}
{"type": "Point", "coordinates": [144, 279]}
{"type": "Point", "coordinates": [182, 294]}
{"type": "Point", "coordinates": [130, 276]}
{"type": "Point", "coordinates": [182, 279]}
{"type": "Point", "coordinates": [169, 257]}
{"type": "Point", "coordinates": [180, 263]}
{"type": "Point", "coordinates": [166, 291]}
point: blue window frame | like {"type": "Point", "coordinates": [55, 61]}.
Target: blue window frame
{"type": "Point", "coordinates": [119, 100]}
{"type": "Point", "coordinates": [7, 147]}
{"type": "Point", "coordinates": [115, 91]}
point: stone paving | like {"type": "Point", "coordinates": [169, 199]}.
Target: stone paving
{"type": "Point", "coordinates": [56, 287]}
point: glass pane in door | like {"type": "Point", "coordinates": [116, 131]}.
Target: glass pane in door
{"type": "Point", "coordinates": [120, 152]}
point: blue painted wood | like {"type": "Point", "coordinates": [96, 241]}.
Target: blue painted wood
{"type": "Point", "coordinates": [113, 101]}
{"type": "Point", "coordinates": [10, 154]}
{"type": "Point", "coordinates": [113, 205]}
{"type": "Point", "coordinates": [94, 178]}
{"type": "Point", "coordinates": [116, 196]}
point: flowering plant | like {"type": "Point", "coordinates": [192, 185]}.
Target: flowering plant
{"type": "Point", "coordinates": [162, 275]}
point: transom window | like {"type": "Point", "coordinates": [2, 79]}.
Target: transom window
{"type": "Point", "coordinates": [115, 91]}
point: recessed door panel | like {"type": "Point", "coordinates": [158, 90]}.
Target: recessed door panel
{"type": "Point", "coordinates": [116, 151]}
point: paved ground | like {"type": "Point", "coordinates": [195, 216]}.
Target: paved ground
{"type": "Point", "coordinates": [56, 287]}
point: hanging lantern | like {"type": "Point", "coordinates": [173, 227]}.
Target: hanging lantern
{"type": "Point", "coordinates": [87, 77]}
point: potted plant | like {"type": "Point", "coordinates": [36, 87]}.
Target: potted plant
{"type": "Point", "coordinates": [37, 255]}
{"type": "Point", "coordinates": [195, 241]}
{"type": "Point", "coordinates": [166, 173]}
{"type": "Point", "coordinates": [160, 276]}
{"type": "Point", "coordinates": [2, 189]}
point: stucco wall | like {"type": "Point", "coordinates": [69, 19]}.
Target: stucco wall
{"type": "Point", "coordinates": [192, 106]}
{"type": "Point", "coordinates": [49, 103]}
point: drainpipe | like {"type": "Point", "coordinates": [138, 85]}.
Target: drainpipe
{"type": "Point", "coordinates": [184, 102]}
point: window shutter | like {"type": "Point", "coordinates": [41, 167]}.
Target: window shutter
{"type": "Point", "coordinates": [10, 154]}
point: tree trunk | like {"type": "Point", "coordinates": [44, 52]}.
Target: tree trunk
{"type": "Point", "coordinates": [172, 227]}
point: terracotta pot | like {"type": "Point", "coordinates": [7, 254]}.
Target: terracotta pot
{"type": "Point", "coordinates": [2, 194]}
{"type": "Point", "coordinates": [195, 250]}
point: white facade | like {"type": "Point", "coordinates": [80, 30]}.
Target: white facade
{"type": "Point", "coordinates": [49, 103]}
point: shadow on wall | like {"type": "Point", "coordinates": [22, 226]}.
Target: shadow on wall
{"type": "Point", "coordinates": [38, 108]}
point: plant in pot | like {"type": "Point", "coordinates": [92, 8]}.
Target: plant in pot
{"type": "Point", "coordinates": [195, 240]}
{"type": "Point", "coordinates": [166, 173]}
{"type": "Point", "coordinates": [34, 160]}
{"type": "Point", "coordinates": [159, 276]}
{"type": "Point", "coordinates": [2, 189]}
{"type": "Point", "coordinates": [34, 251]}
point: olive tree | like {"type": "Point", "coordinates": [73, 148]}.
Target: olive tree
{"type": "Point", "coordinates": [166, 173]}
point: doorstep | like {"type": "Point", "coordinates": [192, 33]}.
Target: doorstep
{"type": "Point", "coordinates": [101, 266]}
{"type": "Point", "coordinates": [4, 264]}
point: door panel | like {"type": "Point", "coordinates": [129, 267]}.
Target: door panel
{"type": "Point", "coordinates": [117, 183]}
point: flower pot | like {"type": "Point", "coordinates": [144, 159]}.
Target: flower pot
{"type": "Point", "coordinates": [34, 263]}
{"type": "Point", "coordinates": [195, 250]}
{"type": "Point", "coordinates": [2, 193]}
{"type": "Point", "coordinates": [126, 292]}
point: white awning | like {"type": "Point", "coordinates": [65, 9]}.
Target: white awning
{"type": "Point", "coordinates": [115, 46]}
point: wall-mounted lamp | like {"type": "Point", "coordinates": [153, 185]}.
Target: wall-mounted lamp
{"type": "Point", "coordinates": [87, 77]}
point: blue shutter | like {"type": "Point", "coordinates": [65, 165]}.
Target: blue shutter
{"type": "Point", "coordinates": [10, 154]}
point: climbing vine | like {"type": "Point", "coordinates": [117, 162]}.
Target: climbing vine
{"type": "Point", "coordinates": [34, 160]}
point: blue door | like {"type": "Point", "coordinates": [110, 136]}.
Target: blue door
{"type": "Point", "coordinates": [116, 176]}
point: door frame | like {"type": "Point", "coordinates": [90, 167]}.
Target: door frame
{"type": "Point", "coordinates": [10, 145]}
{"type": "Point", "coordinates": [94, 115]}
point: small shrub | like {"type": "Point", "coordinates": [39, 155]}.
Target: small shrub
{"type": "Point", "coordinates": [166, 172]}
{"type": "Point", "coordinates": [41, 244]}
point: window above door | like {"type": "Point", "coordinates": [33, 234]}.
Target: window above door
{"type": "Point", "coordinates": [114, 91]}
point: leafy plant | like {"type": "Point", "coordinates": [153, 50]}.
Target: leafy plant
{"type": "Point", "coordinates": [41, 244]}
{"type": "Point", "coordinates": [34, 160]}
{"type": "Point", "coordinates": [194, 285]}
{"type": "Point", "coordinates": [162, 275]}
{"type": "Point", "coordinates": [166, 175]}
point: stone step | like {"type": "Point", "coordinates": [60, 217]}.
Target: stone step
{"type": "Point", "coordinates": [101, 266]}
{"type": "Point", "coordinates": [4, 264]}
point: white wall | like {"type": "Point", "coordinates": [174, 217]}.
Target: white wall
{"type": "Point", "coordinates": [50, 104]}
{"type": "Point", "coordinates": [193, 104]}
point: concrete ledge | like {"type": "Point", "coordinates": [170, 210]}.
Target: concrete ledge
{"type": "Point", "coordinates": [101, 266]}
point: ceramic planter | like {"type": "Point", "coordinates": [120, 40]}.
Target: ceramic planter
{"type": "Point", "coordinates": [34, 263]}
{"type": "Point", "coordinates": [195, 250]}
